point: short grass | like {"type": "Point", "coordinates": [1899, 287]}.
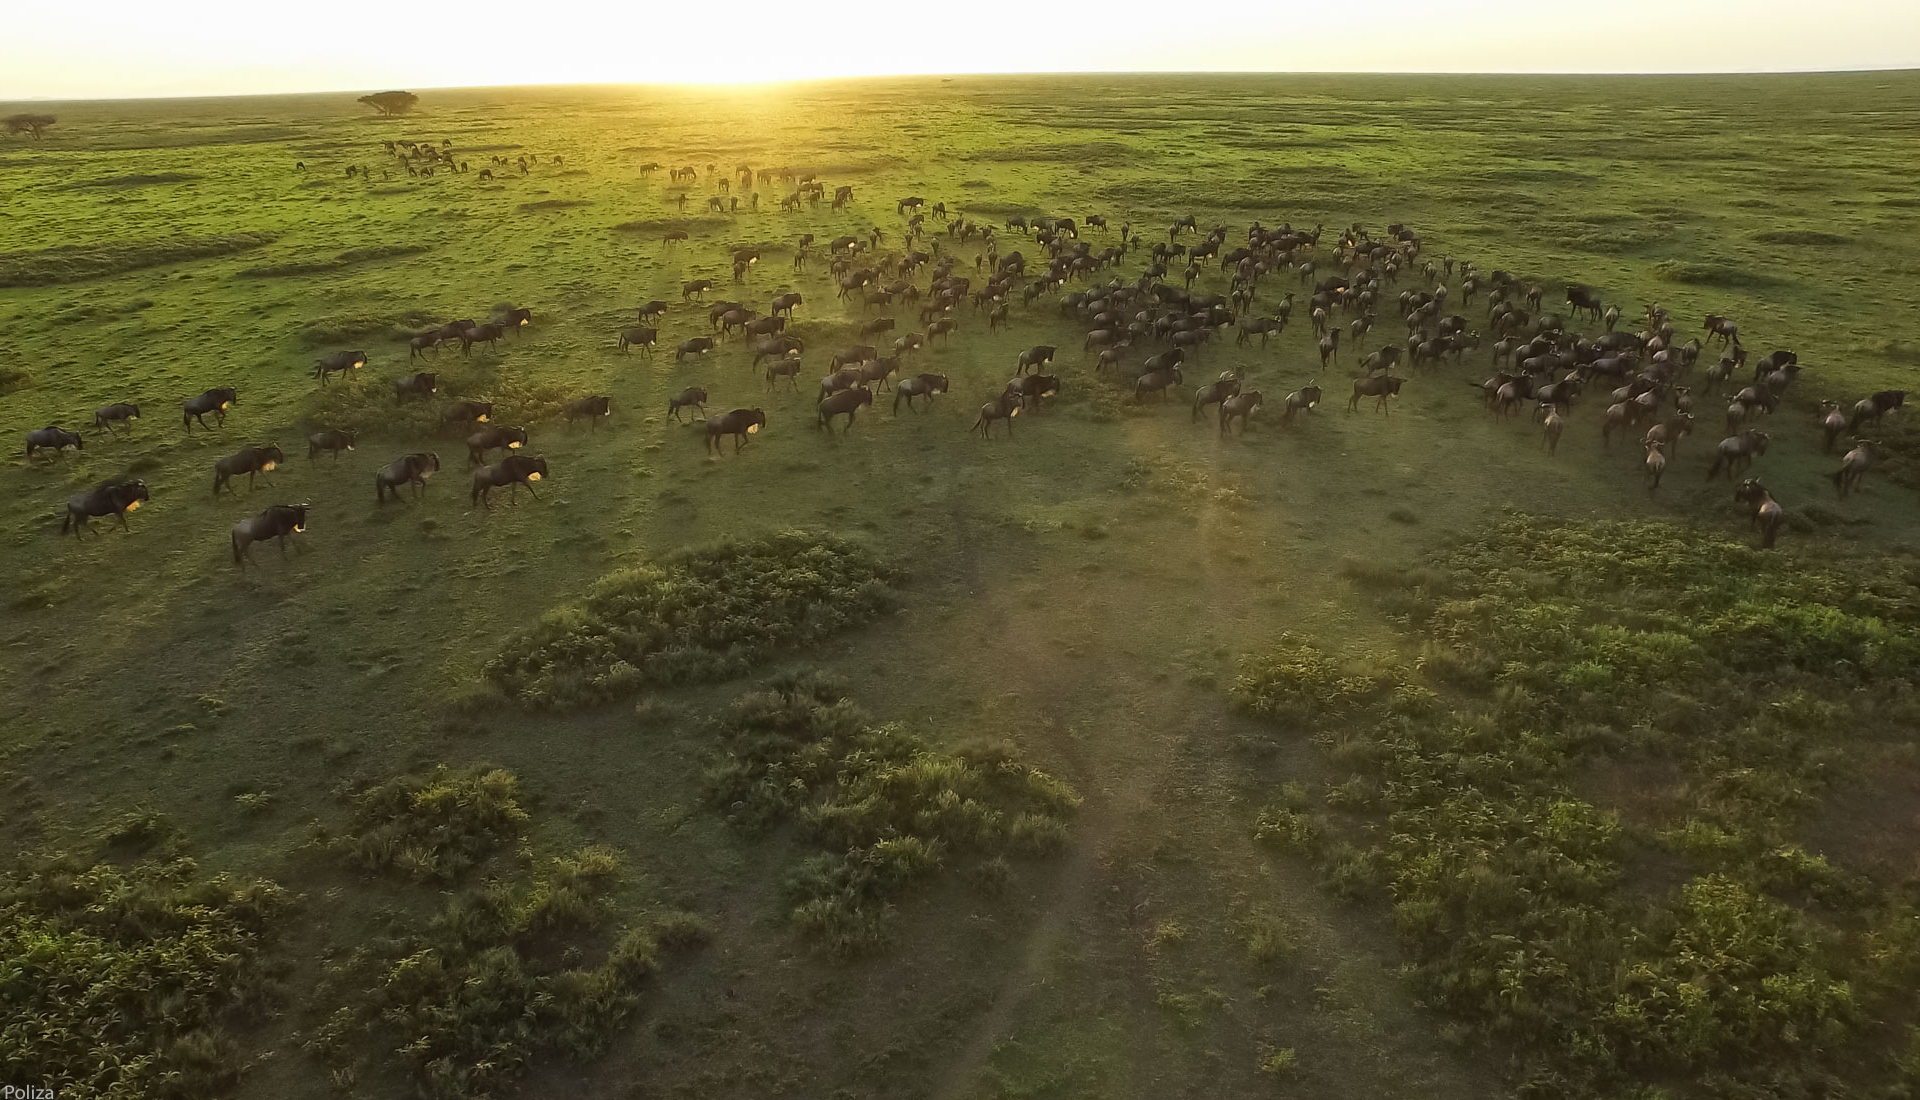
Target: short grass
{"type": "Point", "coordinates": [1084, 592]}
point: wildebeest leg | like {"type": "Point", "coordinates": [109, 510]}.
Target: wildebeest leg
{"type": "Point", "coordinates": [530, 492]}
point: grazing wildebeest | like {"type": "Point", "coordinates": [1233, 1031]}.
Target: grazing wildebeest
{"type": "Point", "coordinates": [1869, 410]}
{"type": "Point", "coordinates": [590, 409]}
{"type": "Point", "coordinates": [468, 412]}
{"type": "Point", "coordinates": [1853, 467]}
{"type": "Point", "coordinates": [920, 385]}
{"type": "Point", "coordinates": [1377, 386]}
{"type": "Point", "coordinates": [1727, 331]}
{"type": "Point", "coordinates": [413, 469]}
{"type": "Point", "coordinates": [1219, 390]}
{"type": "Point", "coordinates": [1241, 405]}
{"type": "Point", "coordinates": [1005, 407]}
{"type": "Point", "coordinates": [699, 345]}
{"type": "Point", "coordinates": [340, 362]}
{"type": "Point", "coordinates": [480, 442]}
{"type": "Point", "coordinates": [53, 438]}
{"type": "Point", "coordinates": [1306, 397]}
{"type": "Point", "coordinates": [639, 337]}
{"type": "Point", "coordinates": [1767, 513]}
{"type": "Point", "coordinates": [696, 289]}
{"type": "Point", "coordinates": [740, 423]}
{"type": "Point", "coordinates": [480, 334]}
{"type": "Point", "coordinates": [252, 460]}
{"type": "Point", "coordinates": [652, 310]}
{"type": "Point", "coordinates": [512, 471]}
{"type": "Point", "coordinates": [212, 401]}
{"type": "Point", "coordinates": [691, 397]}
{"type": "Point", "coordinates": [417, 385]}
{"type": "Point", "coordinates": [332, 442]}
{"type": "Point", "coordinates": [277, 522]}
{"type": "Point", "coordinates": [515, 320]}
{"type": "Point", "coordinates": [106, 416]}
{"type": "Point", "coordinates": [1737, 452]}
{"type": "Point", "coordinates": [110, 498]}
{"type": "Point", "coordinates": [847, 401]}
{"type": "Point", "coordinates": [1157, 381]}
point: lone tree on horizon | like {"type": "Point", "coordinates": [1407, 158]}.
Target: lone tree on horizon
{"type": "Point", "coordinates": [29, 124]}
{"type": "Point", "coordinates": [390, 104]}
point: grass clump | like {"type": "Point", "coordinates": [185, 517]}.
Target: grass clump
{"type": "Point", "coordinates": [437, 825]}
{"type": "Point", "coordinates": [129, 981]}
{"type": "Point", "coordinates": [1700, 273]}
{"type": "Point", "coordinates": [707, 614]}
{"type": "Point", "coordinates": [1295, 684]}
{"type": "Point", "coordinates": [73, 263]}
{"type": "Point", "coordinates": [344, 260]}
{"type": "Point", "coordinates": [886, 809]}
{"type": "Point", "coordinates": [346, 328]}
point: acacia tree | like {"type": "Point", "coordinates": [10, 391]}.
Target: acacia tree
{"type": "Point", "coordinates": [390, 104]}
{"type": "Point", "coordinates": [35, 125]}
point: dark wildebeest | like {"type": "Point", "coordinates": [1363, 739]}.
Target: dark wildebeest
{"type": "Point", "coordinates": [652, 310]}
{"type": "Point", "coordinates": [740, 423]}
{"type": "Point", "coordinates": [212, 401]}
{"type": "Point", "coordinates": [1832, 423]}
{"type": "Point", "coordinates": [784, 304]}
{"type": "Point", "coordinates": [106, 416]}
{"type": "Point", "coordinates": [413, 469]}
{"type": "Point", "coordinates": [859, 353]}
{"type": "Point", "coordinates": [1158, 381]}
{"type": "Point", "coordinates": [875, 327]}
{"type": "Point", "coordinates": [1870, 410]}
{"type": "Point", "coordinates": [639, 337]}
{"type": "Point", "coordinates": [1005, 407]}
{"type": "Point", "coordinates": [53, 438]}
{"type": "Point", "coordinates": [784, 368]}
{"type": "Point", "coordinates": [696, 289]}
{"type": "Point", "coordinates": [1853, 467]}
{"type": "Point", "coordinates": [417, 385]}
{"type": "Point", "coordinates": [912, 341]}
{"type": "Point", "coordinates": [1656, 464]}
{"type": "Point", "coordinates": [480, 442]}
{"type": "Point", "coordinates": [110, 498]}
{"type": "Point", "coordinates": [1030, 388]}
{"type": "Point", "coordinates": [920, 385]}
{"type": "Point", "coordinates": [1241, 405]}
{"type": "Point", "coordinates": [1737, 452]}
{"type": "Point", "coordinates": [480, 334]}
{"type": "Point", "coordinates": [252, 460]}
{"type": "Point", "coordinates": [1377, 386]}
{"type": "Point", "coordinates": [764, 326]}
{"type": "Point", "coordinates": [338, 363]}
{"type": "Point", "coordinates": [1222, 388]}
{"type": "Point", "coordinates": [699, 345]}
{"type": "Point", "coordinates": [418, 345]}
{"type": "Point", "coordinates": [276, 522]}
{"type": "Point", "coordinates": [515, 320]}
{"type": "Point", "coordinates": [1306, 397]}
{"type": "Point", "coordinates": [879, 370]}
{"type": "Point", "coordinates": [691, 397]}
{"type": "Point", "coordinates": [468, 412]}
{"type": "Point", "coordinates": [512, 471]}
{"type": "Point", "coordinates": [1036, 357]}
{"type": "Point", "coordinates": [944, 327]}
{"type": "Point", "coordinates": [1727, 331]}
{"type": "Point", "coordinates": [847, 401]}
{"type": "Point", "coordinates": [1582, 300]}
{"type": "Point", "coordinates": [333, 442]}
{"type": "Point", "coordinates": [1767, 513]}
{"type": "Point", "coordinates": [590, 409]}
{"type": "Point", "coordinates": [775, 347]}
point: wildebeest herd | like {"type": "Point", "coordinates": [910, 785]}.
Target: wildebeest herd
{"type": "Point", "coordinates": [1146, 331]}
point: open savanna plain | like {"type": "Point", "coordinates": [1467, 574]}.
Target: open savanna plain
{"type": "Point", "coordinates": [1372, 755]}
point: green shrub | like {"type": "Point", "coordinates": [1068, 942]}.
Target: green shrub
{"type": "Point", "coordinates": [437, 825]}
{"type": "Point", "coordinates": [73, 263]}
{"type": "Point", "coordinates": [1295, 684]}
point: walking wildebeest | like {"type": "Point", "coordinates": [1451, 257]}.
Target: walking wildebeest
{"type": "Point", "coordinates": [1767, 513]}
{"type": "Point", "coordinates": [1004, 407]}
{"type": "Point", "coordinates": [691, 397]}
{"type": "Point", "coordinates": [1222, 388]}
{"type": "Point", "coordinates": [847, 401]}
{"type": "Point", "coordinates": [1656, 464]}
{"type": "Point", "coordinates": [417, 385]}
{"type": "Point", "coordinates": [480, 334]}
{"type": "Point", "coordinates": [413, 469]}
{"type": "Point", "coordinates": [338, 363]}
{"type": "Point", "coordinates": [468, 412]}
{"type": "Point", "coordinates": [1853, 467]}
{"type": "Point", "coordinates": [1832, 423]}
{"type": "Point", "coordinates": [1377, 386]}
{"type": "Point", "coordinates": [784, 304]}
{"type": "Point", "coordinates": [252, 460]}
{"type": "Point", "coordinates": [639, 337]}
{"type": "Point", "coordinates": [212, 401]}
{"type": "Point", "coordinates": [651, 310]}
{"type": "Point", "coordinates": [1737, 452]}
{"type": "Point", "coordinates": [417, 346]}
{"type": "Point", "coordinates": [920, 385]}
{"type": "Point", "coordinates": [699, 345]}
{"type": "Point", "coordinates": [1242, 405]}
{"type": "Point", "coordinates": [1030, 388]}
{"type": "Point", "coordinates": [490, 439]}
{"type": "Point", "coordinates": [277, 522]}
{"type": "Point", "coordinates": [740, 423]}
{"type": "Point", "coordinates": [515, 319]}
{"type": "Point", "coordinates": [1869, 410]}
{"type": "Point", "coordinates": [696, 289]}
{"type": "Point", "coordinates": [333, 442]}
{"type": "Point", "coordinates": [1158, 381]}
{"type": "Point", "coordinates": [1727, 331]}
{"type": "Point", "coordinates": [784, 368]}
{"type": "Point", "coordinates": [106, 416]}
{"type": "Point", "coordinates": [53, 438]}
{"type": "Point", "coordinates": [110, 498]}
{"type": "Point", "coordinates": [513, 471]}
{"type": "Point", "coordinates": [1306, 397]}
{"type": "Point", "coordinates": [1036, 357]}
{"type": "Point", "coordinates": [590, 409]}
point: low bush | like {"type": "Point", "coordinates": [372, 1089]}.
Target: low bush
{"type": "Point", "coordinates": [73, 263]}
{"type": "Point", "coordinates": [437, 825]}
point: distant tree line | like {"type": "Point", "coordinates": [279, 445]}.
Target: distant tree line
{"type": "Point", "coordinates": [35, 125]}
{"type": "Point", "coordinates": [390, 104]}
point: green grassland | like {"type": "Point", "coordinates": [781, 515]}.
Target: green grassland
{"type": "Point", "coordinates": [1382, 755]}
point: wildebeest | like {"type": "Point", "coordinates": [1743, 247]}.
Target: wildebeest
{"type": "Point", "coordinates": [1869, 410]}
{"type": "Point", "coordinates": [652, 310]}
{"type": "Point", "coordinates": [1767, 513]}
{"type": "Point", "coordinates": [740, 423]}
{"type": "Point", "coordinates": [1737, 452]}
{"type": "Point", "coordinates": [1727, 331]}
{"type": "Point", "coordinates": [696, 289]}
{"type": "Point", "coordinates": [277, 522]}
{"type": "Point", "coordinates": [1381, 387]}
{"type": "Point", "coordinates": [1219, 390]}
{"type": "Point", "coordinates": [1306, 397]}
{"type": "Point", "coordinates": [338, 363]}
{"type": "Point", "coordinates": [468, 412]}
{"type": "Point", "coordinates": [639, 337]}
{"type": "Point", "coordinates": [213, 401]}
{"type": "Point", "coordinates": [784, 368]}
{"type": "Point", "coordinates": [1030, 388]}
{"type": "Point", "coordinates": [489, 439]}
{"type": "Point", "coordinates": [417, 346]}
{"type": "Point", "coordinates": [106, 416]}
{"type": "Point", "coordinates": [774, 347]}
{"type": "Point", "coordinates": [413, 469]}
{"type": "Point", "coordinates": [1552, 427]}
{"type": "Point", "coordinates": [53, 438]}
{"type": "Point", "coordinates": [1240, 405]}
{"type": "Point", "coordinates": [784, 304]}
{"type": "Point", "coordinates": [332, 442]}
{"type": "Point", "coordinates": [1036, 357]}
{"type": "Point", "coordinates": [1157, 381]}
{"type": "Point", "coordinates": [110, 498]}
{"type": "Point", "coordinates": [699, 345]}
{"type": "Point", "coordinates": [253, 460]}
{"type": "Point", "coordinates": [920, 385]}
{"type": "Point", "coordinates": [1005, 407]}
{"type": "Point", "coordinates": [1656, 463]}
{"type": "Point", "coordinates": [691, 397]}
{"type": "Point", "coordinates": [1582, 300]}
{"type": "Point", "coordinates": [847, 401]}
{"type": "Point", "coordinates": [1853, 467]}
{"type": "Point", "coordinates": [859, 353]}
{"type": "Point", "coordinates": [1832, 423]}
{"type": "Point", "coordinates": [512, 471]}
{"type": "Point", "coordinates": [417, 385]}
{"type": "Point", "coordinates": [515, 320]}
{"type": "Point", "coordinates": [590, 409]}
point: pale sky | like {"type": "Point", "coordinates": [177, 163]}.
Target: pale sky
{"type": "Point", "coordinates": [114, 48]}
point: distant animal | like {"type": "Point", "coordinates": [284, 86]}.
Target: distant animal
{"type": "Point", "coordinates": [920, 385]}
{"type": "Point", "coordinates": [740, 423]}
{"type": "Point", "coordinates": [512, 471]}
{"type": "Point", "coordinates": [492, 439]}
{"type": "Point", "coordinates": [53, 438]}
{"type": "Point", "coordinates": [413, 469]}
{"type": "Point", "coordinates": [109, 498]}
{"type": "Point", "coordinates": [590, 409]}
{"type": "Point", "coordinates": [332, 442]}
{"type": "Point", "coordinates": [1004, 408]}
{"type": "Point", "coordinates": [212, 401]}
{"type": "Point", "coordinates": [254, 460]}
{"type": "Point", "coordinates": [691, 397]}
{"type": "Point", "coordinates": [278, 522]}
{"type": "Point", "coordinates": [699, 345]}
{"type": "Point", "coordinates": [1766, 511]}
{"type": "Point", "coordinates": [339, 363]}
{"type": "Point", "coordinates": [106, 416]}
{"type": "Point", "coordinates": [416, 385]}
{"type": "Point", "coordinates": [1306, 397]}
